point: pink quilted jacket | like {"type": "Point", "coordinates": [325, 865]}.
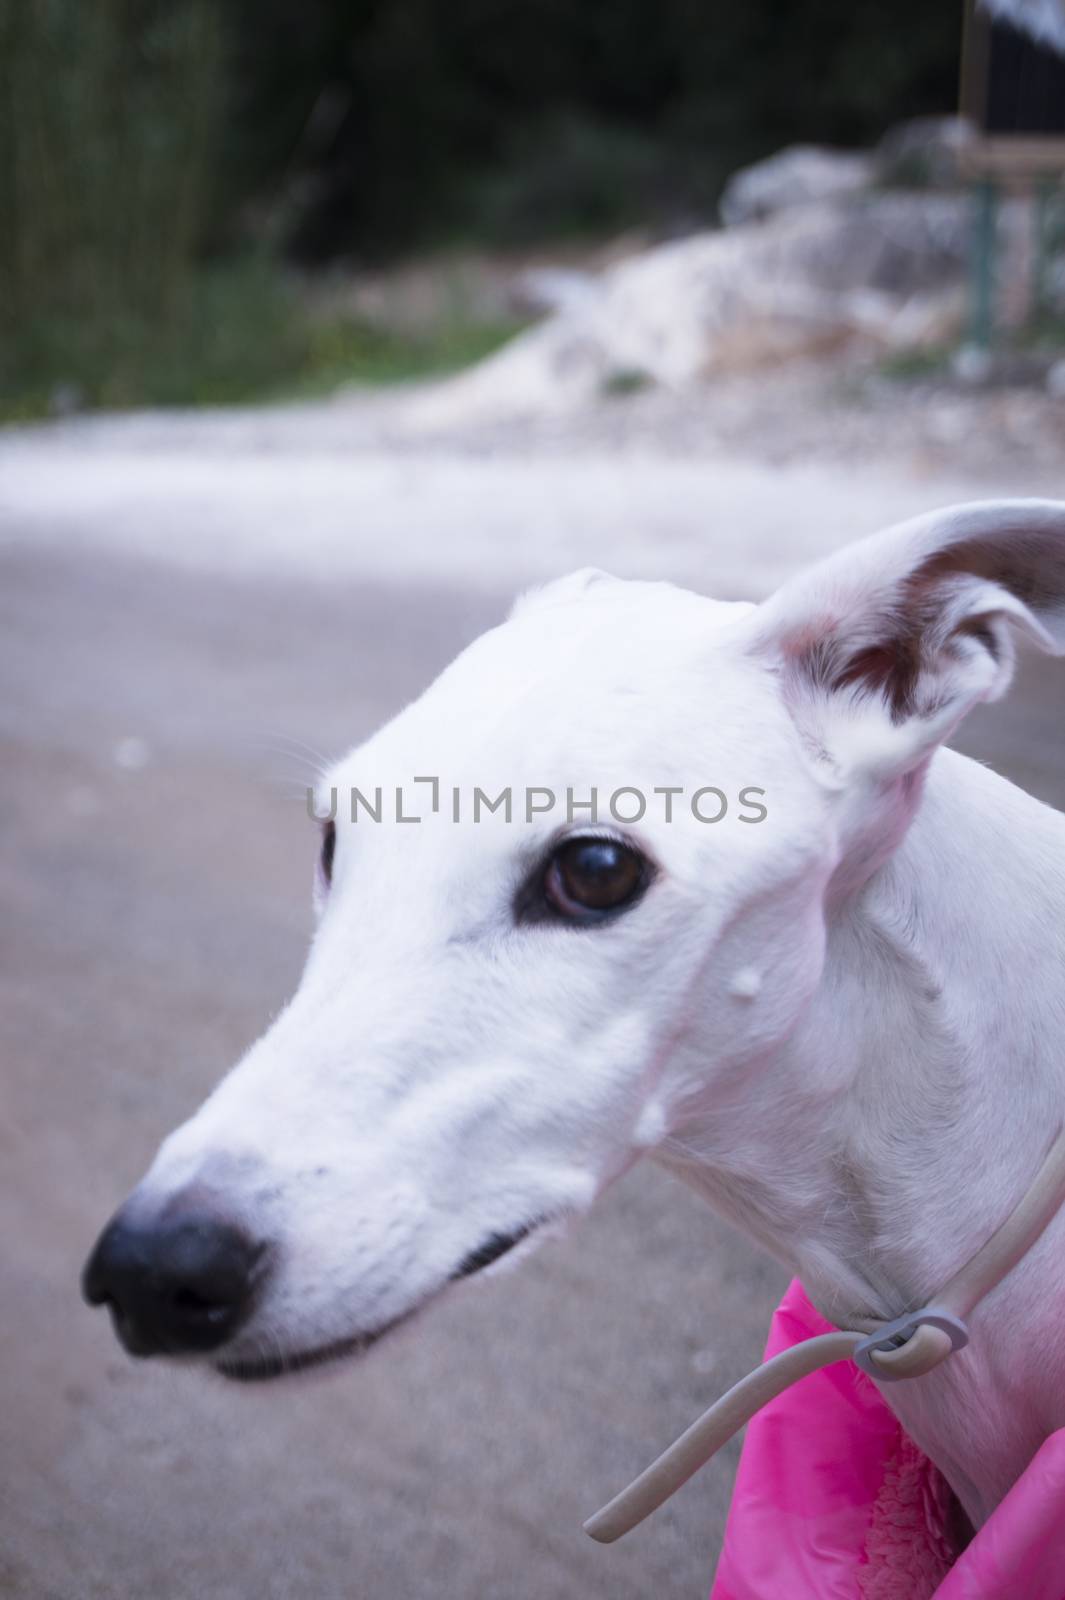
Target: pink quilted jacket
{"type": "Point", "coordinates": [834, 1502]}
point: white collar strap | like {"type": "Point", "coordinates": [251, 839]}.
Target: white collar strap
{"type": "Point", "coordinates": [907, 1347]}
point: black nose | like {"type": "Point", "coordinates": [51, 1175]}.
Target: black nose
{"type": "Point", "coordinates": [174, 1286]}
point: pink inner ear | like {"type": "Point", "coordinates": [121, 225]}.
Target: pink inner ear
{"type": "Point", "coordinates": [889, 669]}
{"type": "Point", "coordinates": [902, 630]}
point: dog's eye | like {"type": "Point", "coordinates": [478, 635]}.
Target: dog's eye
{"type": "Point", "coordinates": [329, 844]}
{"type": "Point", "coordinates": [586, 878]}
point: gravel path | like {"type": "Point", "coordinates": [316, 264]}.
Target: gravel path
{"type": "Point", "coordinates": [686, 487]}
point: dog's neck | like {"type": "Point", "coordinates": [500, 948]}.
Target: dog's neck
{"type": "Point", "coordinates": [878, 1149]}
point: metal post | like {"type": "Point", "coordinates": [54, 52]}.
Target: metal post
{"type": "Point", "coordinates": [982, 265]}
{"type": "Point", "coordinates": [1040, 300]}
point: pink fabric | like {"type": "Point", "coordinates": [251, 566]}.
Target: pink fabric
{"type": "Point", "coordinates": [834, 1502]}
{"type": "Point", "coordinates": [1020, 1551]}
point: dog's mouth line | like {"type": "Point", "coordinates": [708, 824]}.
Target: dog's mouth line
{"type": "Point", "coordinates": [265, 1365]}
{"type": "Point", "coordinates": [260, 1368]}
{"type": "Point", "coordinates": [492, 1249]}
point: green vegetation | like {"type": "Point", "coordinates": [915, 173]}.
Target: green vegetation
{"type": "Point", "coordinates": [238, 332]}
{"type": "Point", "coordinates": [624, 381]}
{"type": "Point", "coordinates": [109, 117]}
{"type": "Point", "coordinates": [354, 350]}
{"type": "Point", "coordinates": [1044, 333]}
{"type": "Point", "coordinates": [165, 165]}
{"type": "Point", "coordinates": [909, 366]}
{"type": "Point", "coordinates": [109, 114]}
{"type": "Point", "coordinates": [378, 126]}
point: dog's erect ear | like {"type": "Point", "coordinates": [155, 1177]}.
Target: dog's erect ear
{"type": "Point", "coordinates": [885, 646]}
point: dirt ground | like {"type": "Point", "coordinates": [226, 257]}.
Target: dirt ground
{"type": "Point", "coordinates": [191, 610]}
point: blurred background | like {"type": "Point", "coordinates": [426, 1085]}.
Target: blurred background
{"type": "Point", "coordinates": [216, 200]}
{"type": "Point", "coordinates": [182, 181]}
{"type": "Point", "coordinates": [324, 329]}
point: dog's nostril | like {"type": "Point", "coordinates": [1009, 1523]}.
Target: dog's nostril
{"type": "Point", "coordinates": [187, 1303]}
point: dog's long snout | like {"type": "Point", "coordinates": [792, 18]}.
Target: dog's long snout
{"type": "Point", "coordinates": [177, 1285]}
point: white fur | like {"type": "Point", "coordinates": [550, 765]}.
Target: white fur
{"type": "Point", "coordinates": [845, 1026]}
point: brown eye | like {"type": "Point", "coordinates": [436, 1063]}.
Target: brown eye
{"type": "Point", "coordinates": [329, 844]}
{"type": "Point", "coordinates": [586, 878]}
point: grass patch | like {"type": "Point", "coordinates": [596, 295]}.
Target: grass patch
{"type": "Point", "coordinates": [623, 381]}
{"type": "Point", "coordinates": [907, 366]}
{"type": "Point", "coordinates": [1022, 354]}
{"type": "Point", "coordinates": [1045, 332]}
{"type": "Point", "coordinates": [343, 350]}
{"type": "Point", "coordinates": [239, 333]}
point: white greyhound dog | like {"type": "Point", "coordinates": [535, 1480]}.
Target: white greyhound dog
{"type": "Point", "coordinates": [831, 996]}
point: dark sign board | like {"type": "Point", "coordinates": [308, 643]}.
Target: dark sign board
{"type": "Point", "coordinates": [1013, 84]}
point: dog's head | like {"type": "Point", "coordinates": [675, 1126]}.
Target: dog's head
{"type": "Point", "coordinates": [511, 995]}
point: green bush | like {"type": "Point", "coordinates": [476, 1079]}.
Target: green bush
{"type": "Point", "coordinates": [567, 176]}
{"type": "Point", "coordinates": [367, 127]}
{"type": "Point", "coordinates": [231, 333]}
{"type": "Point", "coordinates": [240, 331]}
{"type": "Point", "coordinates": [108, 118]}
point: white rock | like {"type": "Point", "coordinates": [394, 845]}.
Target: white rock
{"type": "Point", "coordinates": [883, 270]}
{"type": "Point", "coordinates": [541, 290]}
{"type": "Point", "coordinates": [801, 175]}
{"type": "Point", "coordinates": [972, 364]}
{"type": "Point", "coordinates": [926, 152]}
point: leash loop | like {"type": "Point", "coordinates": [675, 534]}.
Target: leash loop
{"type": "Point", "coordinates": [911, 1345]}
